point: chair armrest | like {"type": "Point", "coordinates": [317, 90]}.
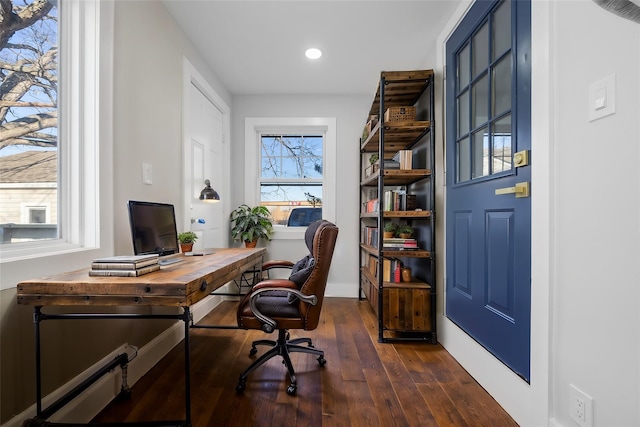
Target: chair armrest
{"type": "Point", "coordinates": [269, 325]}
{"type": "Point", "coordinates": [277, 263]}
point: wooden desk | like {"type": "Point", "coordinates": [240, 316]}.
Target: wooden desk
{"type": "Point", "coordinates": [181, 285]}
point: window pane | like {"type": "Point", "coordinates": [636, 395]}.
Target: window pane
{"type": "Point", "coordinates": [281, 199]}
{"type": "Point", "coordinates": [463, 114]}
{"type": "Point", "coordinates": [501, 30]}
{"type": "Point", "coordinates": [464, 160]}
{"type": "Point", "coordinates": [292, 174]}
{"type": "Point", "coordinates": [480, 152]}
{"type": "Point", "coordinates": [463, 67]}
{"type": "Point", "coordinates": [28, 90]}
{"type": "Point", "coordinates": [291, 156]}
{"type": "Point", "coordinates": [501, 86]}
{"type": "Point", "coordinates": [480, 102]}
{"type": "Point", "coordinates": [501, 145]}
{"type": "Point", "coordinates": [481, 50]}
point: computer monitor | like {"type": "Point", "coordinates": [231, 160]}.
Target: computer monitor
{"type": "Point", "coordinates": [153, 228]}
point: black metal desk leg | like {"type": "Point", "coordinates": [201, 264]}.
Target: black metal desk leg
{"type": "Point", "coordinates": [36, 321]}
{"type": "Point", "coordinates": [187, 368]}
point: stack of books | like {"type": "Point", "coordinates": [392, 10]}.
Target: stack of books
{"type": "Point", "coordinates": [404, 159]}
{"type": "Point", "coordinates": [400, 244]}
{"type": "Point", "coordinates": [124, 265]}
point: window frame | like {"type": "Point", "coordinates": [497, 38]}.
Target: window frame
{"type": "Point", "coordinates": [256, 127]}
{"type": "Point", "coordinates": [84, 103]}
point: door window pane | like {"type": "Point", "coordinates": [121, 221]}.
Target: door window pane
{"type": "Point", "coordinates": [480, 152]}
{"type": "Point", "coordinates": [501, 36]}
{"type": "Point", "coordinates": [463, 151]}
{"type": "Point", "coordinates": [501, 145]}
{"type": "Point", "coordinates": [501, 85]}
{"type": "Point", "coordinates": [480, 102]}
{"type": "Point", "coordinates": [463, 67]}
{"type": "Point", "coordinates": [481, 50]}
{"type": "Point", "coordinates": [463, 114]}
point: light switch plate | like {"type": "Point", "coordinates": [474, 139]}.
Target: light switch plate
{"type": "Point", "coordinates": [147, 173]}
{"type": "Point", "coordinates": [602, 98]}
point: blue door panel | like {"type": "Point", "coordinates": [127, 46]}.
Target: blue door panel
{"type": "Point", "coordinates": [488, 251]}
{"type": "Point", "coordinates": [499, 267]}
{"type": "Point", "coordinates": [462, 248]}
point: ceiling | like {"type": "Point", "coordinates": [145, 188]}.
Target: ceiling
{"type": "Point", "coordinates": [257, 47]}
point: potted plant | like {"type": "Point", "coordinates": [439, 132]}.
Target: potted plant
{"type": "Point", "coordinates": [187, 239]}
{"type": "Point", "coordinates": [373, 161]}
{"type": "Point", "coordinates": [405, 232]}
{"type": "Point", "coordinates": [390, 229]}
{"type": "Point", "coordinates": [249, 224]}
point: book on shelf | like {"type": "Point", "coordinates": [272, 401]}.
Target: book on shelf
{"type": "Point", "coordinates": [395, 200]}
{"type": "Point", "coordinates": [399, 243]}
{"type": "Point", "coordinates": [404, 159]}
{"type": "Point", "coordinates": [391, 270]}
{"type": "Point", "coordinates": [126, 273]}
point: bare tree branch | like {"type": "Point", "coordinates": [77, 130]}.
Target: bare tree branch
{"type": "Point", "coordinates": [13, 20]}
{"type": "Point", "coordinates": [26, 125]}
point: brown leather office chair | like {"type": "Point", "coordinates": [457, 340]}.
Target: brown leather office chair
{"type": "Point", "coordinates": [293, 303]}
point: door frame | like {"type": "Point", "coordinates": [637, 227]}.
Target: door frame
{"type": "Point", "coordinates": [190, 75]}
{"type": "Point", "coordinates": [528, 404]}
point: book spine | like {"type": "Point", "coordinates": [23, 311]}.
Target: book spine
{"type": "Point", "coordinates": [122, 265]}
{"type": "Point", "coordinates": [125, 273]}
{"type": "Point", "coordinates": [116, 273]}
{"type": "Point", "coordinates": [148, 269]}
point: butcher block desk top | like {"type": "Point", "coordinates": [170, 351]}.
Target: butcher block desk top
{"type": "Point", "coordinates": [181, 284]}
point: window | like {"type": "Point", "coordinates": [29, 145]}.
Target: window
{"type": "Point", "coordinates": [483, 99]}
{"type": "Point", "coordinates": [290, 164]}
{"type": "Point", "coordinates": [37, 215]}
{"type": "Point", "coordinates": [291, 177]}
{"type": "Point", "coordinates": [60, 117]}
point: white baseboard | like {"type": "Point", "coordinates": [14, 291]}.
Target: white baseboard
{"type": "Point", "coordinates": [95, 398]}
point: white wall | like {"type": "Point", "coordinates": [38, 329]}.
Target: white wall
{"type": "Point", "coordinates": [351, 114]}
{"type": "Point", "coordinates": [586, 225]}
{"type": "Point", "coordinates": [148, 113]}
{"type": "Point", "coordinates": [147, 126]}
{"type": "Point", "coordinates": [596, 219]}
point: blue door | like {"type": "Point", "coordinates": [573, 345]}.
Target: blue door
{"type": "Point", "coordinates": [488, 232]}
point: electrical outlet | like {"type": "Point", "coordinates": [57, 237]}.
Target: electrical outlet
{"type": "Point", "coordinates": [580, 407]}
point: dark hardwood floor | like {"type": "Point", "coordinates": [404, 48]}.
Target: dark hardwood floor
{"type": "Point", "coordinates": [364, 383]}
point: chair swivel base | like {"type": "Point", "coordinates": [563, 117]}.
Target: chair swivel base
{"type": "Point", "coordinates": [282, 347]}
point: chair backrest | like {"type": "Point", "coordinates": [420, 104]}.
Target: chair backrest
{"type": "Point", "coordinates": [324, 242]}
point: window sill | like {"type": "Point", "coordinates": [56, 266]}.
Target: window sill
{"type": "Point", "coordinates": [288, 233]}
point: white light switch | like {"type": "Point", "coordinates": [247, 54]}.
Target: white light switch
{"type": "Point", "coordinates": [147, 173]}
{"type": "Point", "coordinates": [602, 98]}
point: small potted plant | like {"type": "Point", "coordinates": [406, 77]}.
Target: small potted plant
{"type": "Point", "coordinates": [405, 232]}
{"type": "Point", "coordinates": [250, 224]}
{"type": "Point", "coordinates": [390, 229]}
{"type": "Point", "coordinates": [187, 239]}
{"type": "Point", "coordinates": [373, 161]}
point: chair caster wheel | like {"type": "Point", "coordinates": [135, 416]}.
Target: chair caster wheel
{"type": "Point", "coordinates": [322, 361]}
{"type": "Point", "coordinates": [240, 387]}
{"type": "Point", "coordinates": [253, 351]}
{"type": "Point", "coordinates": [291, 390]}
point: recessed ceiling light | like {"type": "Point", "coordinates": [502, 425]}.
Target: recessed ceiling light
{"type": "Point", "coordinates": [313, 53]}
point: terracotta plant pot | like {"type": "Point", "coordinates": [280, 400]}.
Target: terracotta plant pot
{"type": "Point", "coordinates": [388, 234]}
{"type": "Point", "coordinates": [186, 247]}
{"type": "Point", "coordinates": [248, 244]}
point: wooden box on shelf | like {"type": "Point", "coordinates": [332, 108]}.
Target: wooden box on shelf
{"type": "Point", "coordinates": [400, 114]}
